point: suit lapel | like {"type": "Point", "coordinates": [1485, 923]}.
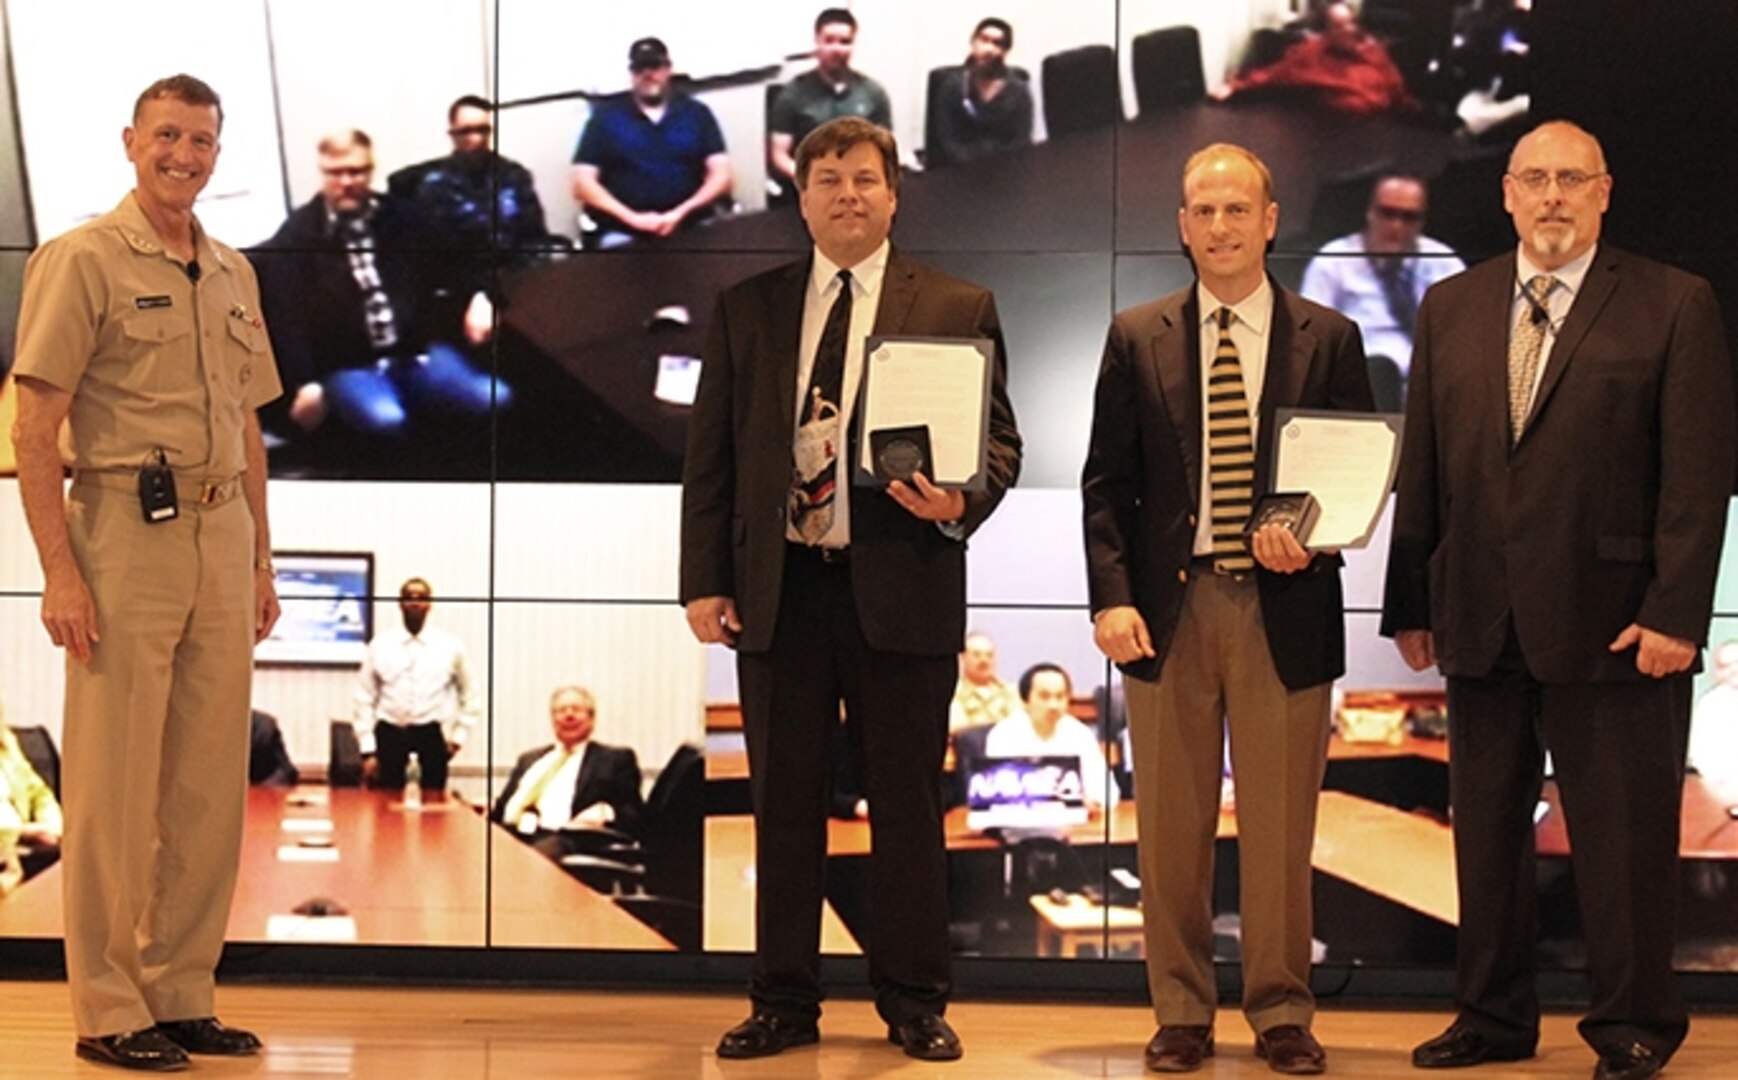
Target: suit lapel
{"type": "Point", "coordinates": [1596, 289]}
{"type": "Point", "coordinates": [582, 782]}
{"type": "Point", "coordinates": [898, 294]}
{"type": "Point", "coordinates": [785, 336]}
{"type": "Point", "coordinates": [1176, 351]}
{"type": "Point", "coordinates": [1290, 349]}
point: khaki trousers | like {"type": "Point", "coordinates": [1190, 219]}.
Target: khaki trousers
{"type": "Point", "coordinates": [1219, 675]}
{"type": "Point", "coordinates": [155, 773]}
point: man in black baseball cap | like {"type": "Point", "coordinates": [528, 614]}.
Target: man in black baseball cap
{"type": "Point", "coordinates": [649, 162]}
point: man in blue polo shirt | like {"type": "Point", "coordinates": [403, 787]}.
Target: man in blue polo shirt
{"type": "Point", "coordinates": [649, 162]}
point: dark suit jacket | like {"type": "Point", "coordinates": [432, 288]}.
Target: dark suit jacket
{"type": "Point", "coordinates": [1612, 507]}
{"type": "Point", "coordinates": [608, 775]}
{"type": "Point", "coordinates": [313, 306]}
{"type": "Point", "coordinates": [908, 579]}
{"type": "Point", "coordinates": [1142, 481]}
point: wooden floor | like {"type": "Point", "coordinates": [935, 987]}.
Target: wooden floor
{"type": "Point", "coordinates": [405, 1034]}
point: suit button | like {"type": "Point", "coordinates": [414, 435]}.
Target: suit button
{"type": "Point", "coordinates": [1192, 521]}
{"type": "Point", "coordinates": [1183, 576]}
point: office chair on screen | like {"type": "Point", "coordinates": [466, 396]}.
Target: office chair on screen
{"type": "Point", "coordinates": [1080, 90]}
{"type": "Point", "coordinates": [1167, 68]}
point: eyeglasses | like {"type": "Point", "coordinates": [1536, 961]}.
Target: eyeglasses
{"type": "Point", "coordinates": [1399, 213]}
{"type": "Point", "coordinates": [472, 129]}
{"type": "Point", "coordinates": [1568, 180]}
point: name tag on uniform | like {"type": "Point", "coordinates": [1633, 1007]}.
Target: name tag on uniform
{"type": "Point", "coordinates": [146, 303]}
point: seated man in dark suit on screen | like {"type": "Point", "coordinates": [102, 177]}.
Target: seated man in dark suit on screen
{"type": "Point", "coordinates": [983, 107]}
{"type": "Point", "coordinates": [573, 784]}
{"type": "Point", "coordinates": [268, 760]}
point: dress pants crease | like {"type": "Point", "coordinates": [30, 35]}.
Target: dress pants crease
{"type": "Point", "coordinates": [897, 709]}
{"type": "Point", "coordinates": [1219, 679]}
{"type": "Point", "coordinates": [1618, 754]}
{"type": "Point", "coordinates": [154, 775]}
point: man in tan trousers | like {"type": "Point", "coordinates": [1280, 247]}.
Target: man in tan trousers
{"type": "Point", "coordinates": [1218, 636]}
{"type": "Point", "coordinates": [141, 361]}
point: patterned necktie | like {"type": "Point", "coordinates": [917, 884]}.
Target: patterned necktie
{"type": "Point", "coordinates": [1230, 454]}
{"type": "Point", "coordinates": [1525, 346]}
{"type": "Point", "coordinates": [814, 478]}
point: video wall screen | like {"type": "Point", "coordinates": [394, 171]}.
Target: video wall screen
{"type": "Point", "coordinates": [495, 401]}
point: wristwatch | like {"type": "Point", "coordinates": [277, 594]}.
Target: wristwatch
{"type": "Point", "coordinates": [264, 562]}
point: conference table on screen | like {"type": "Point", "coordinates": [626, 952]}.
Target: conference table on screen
{"type": "Point", "coordinates": [1403, 856]}
{"type": "Point", "coordinates": [440, 874]}
{"type": "Point", "coordinates": [606, 319]}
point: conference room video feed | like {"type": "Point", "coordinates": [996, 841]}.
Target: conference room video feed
{"type": "Point", "coordinates": [518, 317]}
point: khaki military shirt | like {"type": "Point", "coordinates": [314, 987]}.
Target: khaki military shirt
{"type": "Point", "coordinates": [151, 358]}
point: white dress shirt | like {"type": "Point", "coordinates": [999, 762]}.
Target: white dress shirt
{"type": "Point", "coordinates": [1018, 737]}
{"type": "Point", "coordinates": [416, 679]}
{"type": "Point", "coordinates": [1251, 322]}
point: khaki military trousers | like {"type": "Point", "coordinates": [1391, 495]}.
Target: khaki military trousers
{"type": "Point", "coordinates": [155, 766]}
{"type": "Point", "coordinates": [1219, 676]}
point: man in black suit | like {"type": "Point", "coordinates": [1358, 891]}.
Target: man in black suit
{"type": "Point", "coordinates": [832, 593]}
{"type": "Point", "coordinates": [573, 783]}
{"type": "Point", "coordinates": [1212, 633]}
{"type": "Point", "coordinates": [1556, 539]}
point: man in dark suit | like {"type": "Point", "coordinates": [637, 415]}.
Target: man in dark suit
{"type": "Point", "coordinates": [834, 593]}
{"type": "Point", "coordinates": [1556, 538]}
{"type": "Point", "coordinates": [573, 783]}
{"type": "Point", "coordinates": [1212, 633]}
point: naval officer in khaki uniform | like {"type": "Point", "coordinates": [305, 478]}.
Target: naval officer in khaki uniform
{"type": "Point", "coordinates": [141, 350]}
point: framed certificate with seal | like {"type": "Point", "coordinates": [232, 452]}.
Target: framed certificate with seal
{"type": "Point", "coordinates": [924, 406]}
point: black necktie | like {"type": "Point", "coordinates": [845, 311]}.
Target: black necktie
{"type": "Point", "coordinates": [827, 379]}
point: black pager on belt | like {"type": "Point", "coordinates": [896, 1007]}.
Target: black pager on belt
{"type": "Point", "coordinates": [157, 490]}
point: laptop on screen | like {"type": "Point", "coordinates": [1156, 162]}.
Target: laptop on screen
{"type": "Point", "coordinates": [1025, 793]}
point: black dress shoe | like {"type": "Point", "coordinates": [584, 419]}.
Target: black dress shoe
{"type": "Point", "coordinates": [1291, 1049]}
{"type": "Point", "coordinates": [927, 1038]}
{"type": "Point", "coordinates": [1632, 1062]}
{"type": "Point", "coordinates": [148, 1050]}
{"type": "Point", "coordinates": [208, 1035]}
{"type": "Point", "coordinates": [765, 1034]}
{"type": "Point", "coordinates": [1179, 1047]}
{"type": "Point", "coordinates": [1460, 1046]}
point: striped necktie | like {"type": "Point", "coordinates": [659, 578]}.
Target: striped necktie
{"type": "Point", "coordinates": [1526, 345]}
{"type": "Point", "coordinates": [1230, 454]}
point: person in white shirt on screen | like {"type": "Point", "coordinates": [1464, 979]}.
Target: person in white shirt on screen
{"type": "Point", "coordinates": [1377, 277]}
{"type": "Point", "coordinates": [981, 696]}
{"type": "Point", "coordinates": [1714, 726]}
{"type": "Point", "coordinates": [1045, 728]}
{"type": "Point", "coordinates": [573, 784]}
{"type": "Point", "coordinates": [415, 695]}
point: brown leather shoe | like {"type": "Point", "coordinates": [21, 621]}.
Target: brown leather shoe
{"type": "Point", "coordinates": [1180, 1047]}
{"type": "Point", "coordinates": [1291, 1049]}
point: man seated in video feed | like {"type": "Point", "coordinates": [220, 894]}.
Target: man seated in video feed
{"type": "Point", "coordinates": [352, 292]}
{"type": "Point", "coordinates": [30, 818]}
{"type": "Point", "coordinates": [828, 92]}
{"type": "Point", "coordinates": [1342, 68]}
{"type": "Point", "coordinates": [1377, 278]}
{"type": "Point", "coordinates": [1714, 727]}
{"type": "Point", "coordinates": [981, 697]}
{"type": "Point", "coordinates": [573, 784]}
{"type": "Point", "coordinates": [650, 161]}
{"type": "Point", "coordinates": [984, 107]}
{"type": "Point", "coordinates": [480, 202]}
{"type": "Point", "coordinates": [1045, 728]}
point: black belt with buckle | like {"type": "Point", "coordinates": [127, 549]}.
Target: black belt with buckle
{"type": "Point", "coordinates": [1209, 564]}
{"type": "Point", "coordinates": [830, 556]}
